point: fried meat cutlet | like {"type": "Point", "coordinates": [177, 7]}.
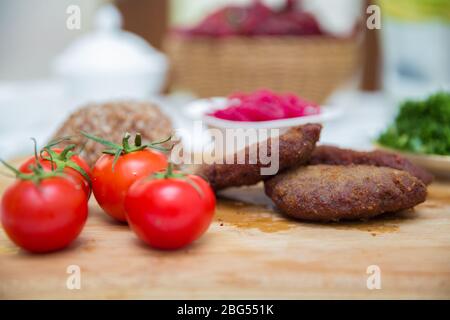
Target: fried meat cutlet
{"type": "Point", "coordinates": [295, 148]}
{"type": "Point", "coordinates": [336, 156]}
{"type": "Point", "coordinates": [333, 193]}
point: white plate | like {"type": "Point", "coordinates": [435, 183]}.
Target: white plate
{"type": "Point", "coordinates": [199, 109]}
{"type": "Point", "coordinates": [436, 164]}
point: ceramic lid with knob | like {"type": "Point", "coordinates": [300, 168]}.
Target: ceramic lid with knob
{"type": "Point", "coordinates": [109, 50]}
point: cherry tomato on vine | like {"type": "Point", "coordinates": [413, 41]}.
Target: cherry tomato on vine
{"type": "Point", "coordinates": [170, 210]}
{"type": "Point", "coordinates": [43, 211]}
{"type": "Point", "coordinates": [117, 169]}
{"type": "Point", "coordinates": [56, 158]}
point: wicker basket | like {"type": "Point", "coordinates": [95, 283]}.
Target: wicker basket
{"type": "Point", "coordinates": [310, 66]}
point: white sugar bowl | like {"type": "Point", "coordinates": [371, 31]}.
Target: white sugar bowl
{"type": "Point", "coordinates": [110, 63]}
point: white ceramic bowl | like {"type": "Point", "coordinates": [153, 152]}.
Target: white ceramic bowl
{"type": "Point", "coordinates": [199, 110]}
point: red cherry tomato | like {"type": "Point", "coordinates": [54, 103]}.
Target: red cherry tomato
{"type": "Point", "coordinates": [48, 166]}
{"type": "Point", "coordinates": [43, 216]}
{"type": "Point", "coordinates": [170, 213]}
{"type": "Point", "coordinates": [110, 186]}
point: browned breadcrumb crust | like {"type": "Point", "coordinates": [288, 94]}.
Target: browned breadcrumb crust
{"type": "Point", "coordinates": [110, 121]}
{"type": "Point", "coordinates": [333, 193]}
{"type": "Point", "coordinates": [295, 148]}
{"type": "Point", "coordinates": [338, 156]}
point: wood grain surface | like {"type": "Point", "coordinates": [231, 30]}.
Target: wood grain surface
{"type": "Point", "coordinates": [250, 251]}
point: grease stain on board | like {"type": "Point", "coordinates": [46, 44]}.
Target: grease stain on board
{"type": "Point", "coordinates": [265, 219]}
{"type": "Point", "coordinates": [250, 216]}
{"type": "Point", "coordinates": [89, 245]}
{"type": "Point", "coordinates": [374, 228]}
{"type": "Point", "coordinates": [248, 207]}
{"type": "Point", "coordinates": [385, 223]}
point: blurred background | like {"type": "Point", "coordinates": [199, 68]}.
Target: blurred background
{"type": "Point", "coordinates": [60, 54]}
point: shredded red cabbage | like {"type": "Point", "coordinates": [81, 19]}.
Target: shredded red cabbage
{"type": "Point", "coordinates": [265, 105]}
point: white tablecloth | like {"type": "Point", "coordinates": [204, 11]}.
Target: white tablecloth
{"type": "Point", "coordinates": [36, 109]}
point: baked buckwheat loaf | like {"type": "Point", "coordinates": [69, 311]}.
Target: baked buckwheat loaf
{"type": "Point", "coordinates": [110, 121]}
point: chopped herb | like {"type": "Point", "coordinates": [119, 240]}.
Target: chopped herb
{"type": "Point", "coordinates": [421, 126]}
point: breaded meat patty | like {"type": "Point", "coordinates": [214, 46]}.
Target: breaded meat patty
{"type": "Point", "coordinates": [337, 156]}
{"type": "Point", "coordinates": [333, 193]}
{"type": "Point", "coordinates": [295, 148]}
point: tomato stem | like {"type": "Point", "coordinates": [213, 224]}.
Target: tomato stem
{"type": "Point", "coordinates": [57, 141]}
{"type": "Point", "coordinates": [10, 167]}
{"type": "Point", "coordinates": [125, 143]}
{"type": "Point", "coordinates": [64, 155]}
{"type": "Point", "coordinates": [38, 164]}
{"type": "Point", "coordinates": [58, 163]}
{"type": "Point", "coordinates": [170, 174]}
{"type": "Point", "coordinates": [114, 149]}
{"type": "Point", "coordinates": [118, 150]}
{"type": "Point", "coordinates": [138, 139]}
{"type": "Point", "coordinates": [63, 160]}
{"type": "Point", "coordinates": [169, 171]}
{"type": "Point", "coordinates": [38, 173]}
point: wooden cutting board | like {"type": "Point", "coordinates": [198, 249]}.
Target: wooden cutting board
{"type": "Point", "coordinates": [250, 251]}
